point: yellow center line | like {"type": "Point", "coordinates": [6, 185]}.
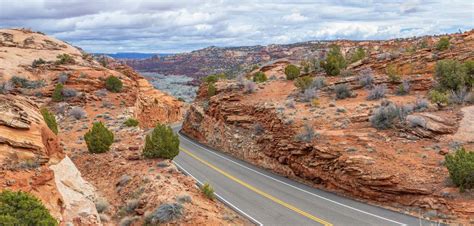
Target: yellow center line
{"type": "Point", "coordinates": [256, 190]}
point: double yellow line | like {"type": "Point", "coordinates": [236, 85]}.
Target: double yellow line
{"type": "Point", "coordinates": [256, 190]}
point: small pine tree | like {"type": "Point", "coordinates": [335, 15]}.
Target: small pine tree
{"type": "Point", "coordinates": [50, 120]}
{"type": "Point", "coordinates": [443, 44]}
{"type": "Point", "coordinates": [461, 168]}
{"type": "Point", "coordinates": [334, 62]}
{"type": "Point", "coordinates": [99, 138]}
{"type": "Point", "coordinates": [113, 84]}
{"type": "Point", "coordinates": [161, 143]}
{"type": "Point", "coordinates": [131, 122]}
{"type": "Point", "coordinates": [58, 93]}
{"type": "Point", "coordinates": [21, 208]}
{"type": "Point", "coordinates": [211, 89]}
{"type": "Point", "coordinates": [292, 72]}
{"type": "Point", "coordinates": [259, 77]}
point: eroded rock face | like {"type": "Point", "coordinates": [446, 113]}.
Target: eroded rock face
{"type": "Point", "coordinates": [31, 160]}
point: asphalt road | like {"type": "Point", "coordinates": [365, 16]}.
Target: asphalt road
{"type": "Point", "coordinates": [270, 199]}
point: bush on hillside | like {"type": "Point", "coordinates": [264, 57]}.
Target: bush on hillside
{"type": "Point", "coordinates": [469, 66]}
{"type": "Point", "coordinates": [461, 168]}
{"type": "Point", "coordinates": [164, 213]}
{"type": "Point", "coordinates": [451, 75]}
{"type": "Point", "coordinates": [131, 122]}
{"type": "Point", "coordinates": [403, 88]}
{"type": "Point", "coordinates": [318, 83]}
{"type": "Point", "coordinates": [359, 54]}
{"type": "Point", "coordinates": [307, 135]}
{"type": "Point", "coordinates": [214, 78]}
{"type": "Point", "coordinates": [334, 62]}
{"type": "Point", "coordinates": [161, 143]}
{"type": "Point", "coordinates": [366, 78]}
{"type": "Point", "coordinates": [249, 87]}
{"type": "Point", "coordinates": [50, 120]}
{"type": "Point", "coordinates": [303, 83]}
{"type": "Point", "coordinates": [99, 138]}
{"type": "Point", "coordinates": [64, 59]}
{"type": "Point", "coordinates": [208, 191]}
{"type": "Point", "coordinates": [69, 92]}
{"type": "Point", "coordinates": [113, 84]}
{"type": "Point", "coordinates": [443, 44]}
{"type": "Point", "coordinates": [77, 113]}
{"type": "Point", "coordinates": [392, 73]}
{"type": "Point", "coordinates": [6, 87]}
{"type": "Point", "coordinates": [25, 83]}
{"type": "Point", "coordinates": [21, 208]}
{"type": "Point", "coordinates": [342, 91]}
{"type": "Point", "coordinates": [384, 116]}
{"type": "Point", "coordinates": [58, 93]}
{"type": "Point", "coordinates": [37, 62]}
{"type": "Point", "coordinates": [211, 89]}
{"type": "Point", "coordinates": [377, 92]}
{"type": "Point", "coordinates": [259, 77]}
{"type": "Point", "coordinates": [309, 94]}
{"type": "Point", "coordinates": [292, 72]}
{"type": "Point", "coordinates": [438, 97]}
{"type": "Point", "coordinates": [63, 77]}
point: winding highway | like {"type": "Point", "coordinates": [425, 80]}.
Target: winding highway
{"type": "Point", "coordinates": [269, 199]}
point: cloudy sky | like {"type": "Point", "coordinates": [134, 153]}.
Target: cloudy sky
{"type": "Point", "coordinates": [170, 26]}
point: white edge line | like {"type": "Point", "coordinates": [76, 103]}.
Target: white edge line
{"type": "Point", "coordinates": [321, 197]}
{"type": "Point", "coordinates": [221, 198]}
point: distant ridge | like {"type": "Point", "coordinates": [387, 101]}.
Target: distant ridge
{"type": "Point", "coordinates": [132, 55]}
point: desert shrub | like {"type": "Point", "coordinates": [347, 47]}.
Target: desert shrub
{"type": "Point", "coordinates": [292, 72]}
{"type": "Point", "coordinates": [307, 135]}
{"type": "Point", "coordinates": [258, 129]}
{"type": "Point", "coordinates": [421, 104]}
{"type": "Point", "coordinates": [458, 96]}
{"type": "Point", "coordinates": [392, 73]}
{"type": "Point", "coordinates": [6, 87]}
{"type": "Point", "coordinates": [451, 75]}
{"type": "Point", "coordinates": [64, 59]}
{"type": "Point", "coordinates": [208, 191]}
{"type": "Point", "coordinates": [438, 97]}
{"type": "Point", "coordinates": [184, 199]}
{"type": "Point", "coordinates": [366, 78]}
{"type": "Point", "coordinates": [25, 83]}
{"type": "Point", "coordinates": [63, 77]}
{"type": "Point", "coordinates": [306, 65]}
{"type": "Point", "coordinates": [315, 102]}
{"type": "Point", "coordinates": [69, 92]}
{"type": "Point", "coordinates": [99, 138]}
{"type": "Point", "coordinates": [342, 91]}
{"type": "Point", "coordinates": [359, 54]}
{"type": "Point", "coordinates": [101, 92]}
{"type": "Point", "coordinates": [318, 82]}
{"type": "Point", "coordinates": [211, 89]}
{"type": "Point", "coordinates": [37, 62]}
{"type": "Point", "coordinates": [443, 44]}
{"type": "Point", "coordinates": [249, 87]}
{"type": "Point", "coordinates": [334, 62]}
{"type": "Point", "coordinates": [403, 88]}
{"type": "Point", "coordinates": [377, 92]}
{"type": "Point", "coordinates": [128, 221]}
{"type": "Point", "coordinates": [50, 120]}
{"type": "Point", "coordinates": [303, 83]}
{"type": "Point", "coordinates": [131, 122]}
{"type": "Point", "coordinates": [259, 77]}
{"type": "Point", "coordinates": [113, 84]}
{"type": "Point", "coordinates": [77, 113]}
{"type": "Point", "coordinates": [164, 213]}
{"type": "Point", "coordinates": [161, 143]}
{"type": "Point", "coordinates": [384, 116]}
{"type": "Point", "coordinates": [309, 94]}
{"type": "Point", "coordinates": [461, 168]}
{"type": "Point", "coordinates": [290, 103]}
{"type": "Point", "coordinates": [214, 78]}
{"type": "Point", "coordinates": [469, 66]}
{"type": "Point", "coordinates": [101, 205]}
{"type": "Point", "coordinates": [58, 93]}
{"type": "Point", "coordinates": [21, 208]}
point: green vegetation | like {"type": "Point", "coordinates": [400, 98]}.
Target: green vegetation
{"type": "Point", "coordinates": [21, 208]}
{"type": "Point", "coordinates": [384, 116]}
{"type": "Point", "coordinates": [392, 72]}
{"type": "Point", "coordinates": [342, 91]}
{"type": "Point", "coordinates": [443, 44]}
{"type": "Point", "coordinates": [334, 62]}
{"type": "Point", "coordinates": [292, 72]}
{"type": "Point", "coordinates": [131, 122]}
{"type": "Point", "coordinates": [64, 59]}
{"type": "Point", "coordinates": [303, 83]}
{"type": "Point", "coordinates": [161, 143]}
{"type": "Point", "coordinates": [438, 97]}
{"type": "Point", "coordinates": [58, 93]}
{"type": "Point", "coordinates": [359, 54]}
{"type": "Point", "coordinates": [25, 83]}
{"type": "Point", "coordinates": [99, 138]}
{"type": "Point", "coordinates": [461, 168]}
{"type": "Point", "coordinates": [50, 120]}
{"type": "Point", "coordinates": [37, 62]}
{"type": "Point", "coordinates": [214, 78]}
{"type": "Point", "coordinates": [208, 191]}
{"type": "Point", "coordinates": [452, 75]}
{"type": "Point", "coordinates": [259, 77]}
{"type": "Point", "coordinates": [113, 84]}
{"type": "Point", "coordinates": [306, 66]}
{"type": "Point", "coordinates": [211, 89]}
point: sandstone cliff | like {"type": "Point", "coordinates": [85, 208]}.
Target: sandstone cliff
{"type": "Point", "coordinates": [399, 168]}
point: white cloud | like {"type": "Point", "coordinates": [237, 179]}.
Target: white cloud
{"type": "Point", "coordinates": [184, 25]}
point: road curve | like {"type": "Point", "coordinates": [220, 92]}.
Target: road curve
{"type": "Point", "coordinates": [270, 199]}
